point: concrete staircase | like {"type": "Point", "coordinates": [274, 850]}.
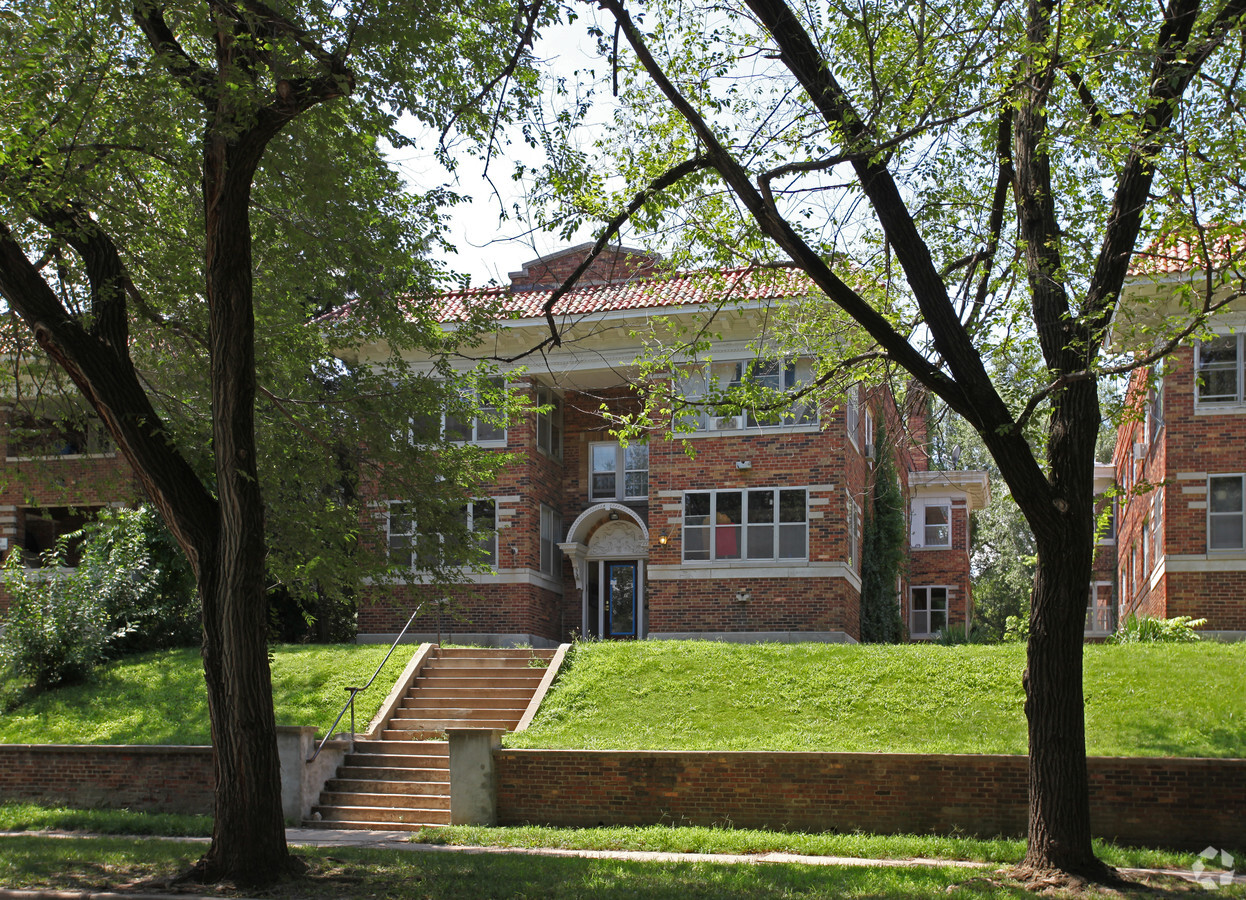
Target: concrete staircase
{"type": "Point", "coordinates": [401, 781]}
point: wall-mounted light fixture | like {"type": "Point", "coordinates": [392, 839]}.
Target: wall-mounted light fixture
{"type": "Point", "coordinates": [614, 515]}
{"type": "Point", "coordinates": [663, 538]}
{"type": "Point", "coordinates": [743, 595]}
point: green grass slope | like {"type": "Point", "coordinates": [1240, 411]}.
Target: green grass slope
{"type": "Point", "coordinates": [1141, 700]}
{"type": "Point", "coordinates": [159, 698]}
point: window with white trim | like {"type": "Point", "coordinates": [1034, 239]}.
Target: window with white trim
{"type": "Point", "coordinates": [867, 433]}
{"type": "Point", "coordinates": [411, 548]}
{"type": "Point", "coordinates": [549, 422]}
{"type": "Point", "coordinates": [1218, 370]}
{"type": "Point", "coordinates": [483, 427]}
{"type": "Point", "coordinates": [1226, 516]}
{"type": "Point", "coordinates": [1156, 526]}
{"type": "Point", "coordinates": [617, 472]}
{"type": "Point", "coordinates": [551, 534]}
{"type": "Point", "coordinates": [927, 610]}
{"type": "Point", "coordinates": [852, 414]}
{"type": "Point", "coordinates": [1155, 410]}
{"type": "Point", "coordinates": [932, 524]}
{"type": "Point", "coordinates": [780, 376]}
{"type": "Point", "coordinates": [757, 524]}
{"type": "Point", "coordinates": [854, 535]}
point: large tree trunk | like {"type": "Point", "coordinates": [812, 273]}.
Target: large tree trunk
{"type": "Point", "coordinates": [248, 834]}
{"type": "Point", "coordinates": [1059, 814]}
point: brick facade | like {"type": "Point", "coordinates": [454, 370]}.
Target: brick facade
{"type": "Point", "coordinates": [1182, 803]}
{"type": "Point", "coordinates": [1164, 467]}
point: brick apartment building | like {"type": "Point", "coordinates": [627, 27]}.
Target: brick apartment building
{"type": "Point", "coordinates": [755, 537]}
{"type": "Point", "coordinates": [1179, 462]}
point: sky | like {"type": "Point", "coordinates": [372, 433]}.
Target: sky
{"type": "Point", "coordinates": [489, 249]}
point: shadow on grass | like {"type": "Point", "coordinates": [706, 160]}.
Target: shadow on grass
{"type": "Point", "coordinates": [109, 863]}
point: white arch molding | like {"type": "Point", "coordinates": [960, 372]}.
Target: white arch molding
{"type": "Point", "coordinates": [622, 535]}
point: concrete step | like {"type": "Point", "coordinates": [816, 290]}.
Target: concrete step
{"type": "Point", "coordinates": [347, 799]}
{"type": "Point", "coordinates": [365, 772]}
{"type": "Point", "coordinates": [479, 662]}
{"type": "Point", "coordinates": [430, 749]}
{"type": "Point", "coordinates": [492, 653]}
{"type": "Point", "coordinates": [481, 684]}
{"type": "Point", "coordinates": [440, 726]}
{"type": "Point", "coordinates": [373, 826]}
{"type": "Point", "coordinates": [376, 786]}
{"type": "Point", "coordinates": [397, 761]}
{"type": "Point", "coordinates": [519, 693]}
{"type": "Point", "coordinates": [421, 700]}
{"type": "Point", "coordinates": [461, 711]}
{"type": "Point", "coordinates": [383, 818]}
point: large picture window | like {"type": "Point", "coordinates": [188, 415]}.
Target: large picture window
{"type": "Point", "coordinates": [1226, 518]}
{"type": "Point", "coordinates": [780, 376]}
{"type": "Point", "coordinates": [759, 524]}
{"type": "Point", "coordinates": [1218, 366]}
{"type": "Point", "coordinates": [618, 472]}
{"type": "Point", "coordinates": [927, 611]}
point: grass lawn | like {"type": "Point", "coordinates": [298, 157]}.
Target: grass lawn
{"type": "Point", "coordinates": [133, 700]}
{"type": "Point", "coordinates": [1141, 700]}
{"type": "Point", "coordinates": [32, 863]}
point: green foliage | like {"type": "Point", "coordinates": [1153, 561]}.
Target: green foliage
{"type": "Point", "coordinates": [954, 635]}
{"type": "Point", "coordinates": [1147, 630]}
{"type": "Point", "coordinates": [882, 554]}
{"type": "Point", "coordinates": [131, 590]}
{"type": "Point", "coordinates": [57, 629]}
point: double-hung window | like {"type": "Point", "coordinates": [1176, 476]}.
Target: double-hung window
{"type": "Point", "coordinates": [618, 472]}
{"type": "Point", "coordinates": [719, 379]}
{"type": "Point", "coordinates": [1226, 515]}
{"type": "Point", "coordinates": [549, 422]}
{"type": "Point", "coordinates": [551, 534]}
{"type": "Point", "coordinates": [932, 524]}
{"type": "Point", "coordinates": [852, 414]}
{"type": "Point", "coordinates": [482, 427]}
{"type": "Point", "coordinates": [1156, 526]}
{"type": "Point", "coordinates": [410, 548]}
{"type": "Point", "coordinates": [758, 524]}
{"type": "Point", "coordinates": [1155, 410]}
{"type": "Point", "coordinates": [1218, 370]}
{"type": "Point", "coordinates": [927, 611]}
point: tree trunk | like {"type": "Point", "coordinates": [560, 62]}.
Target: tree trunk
{"type": "Point", "coordinates": [1059, 803]}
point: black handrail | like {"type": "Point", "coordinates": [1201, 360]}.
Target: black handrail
{"type": "Point", "coordinates": [350, 704]}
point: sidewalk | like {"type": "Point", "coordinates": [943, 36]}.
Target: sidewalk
{"type": "Point", "coordinates": [398, 840]}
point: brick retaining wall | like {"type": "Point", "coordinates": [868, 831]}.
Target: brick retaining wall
{"type": "Point", "coordinates": [148, 778]}
{"type": "Point", "coordinates": [1164, 802]}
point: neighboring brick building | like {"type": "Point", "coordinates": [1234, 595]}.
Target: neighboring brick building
{"type": "Point", "coordinates": [755, 537]}
{"type": "Point", "coordinates": [1179, 461]}
{"type": "Point", "coordinates": [59, 469]}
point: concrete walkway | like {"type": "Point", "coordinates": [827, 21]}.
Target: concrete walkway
{"type": "Point", "coordinates": [398, 840]}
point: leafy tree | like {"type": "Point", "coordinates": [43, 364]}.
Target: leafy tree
{"type": "Point", "coordinates": [882, 553]}
{"type": "Point", "coordinates": [184, 189]}
{"type": "Point", "coordinates": [990, 170]}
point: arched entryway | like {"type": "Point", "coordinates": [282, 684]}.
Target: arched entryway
{"type": "Point", "coordinates": [609, 545]}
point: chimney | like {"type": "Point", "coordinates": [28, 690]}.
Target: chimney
{"type": "Point", "coordinates": [614, 264]}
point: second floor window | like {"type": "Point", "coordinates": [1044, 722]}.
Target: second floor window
{"type": "Point", "coordinates": [932, 525]}
{"type": "Point", "coordinates": [549, 422]}
{"type": "Point", "coordinates": [779, 376]}
{"type": "Point", "coordinates": [618, 472]}
{"type": "Point", "coordinates": [483, 427]}
{"type": "Point", "coordinates": [1218, 370]}
{"type": "Point", "coordinates": [760, 524]}
{"type": "Point", "coordinates": [551, 534]}
{"type": "Point", "coordinates": [1226, 515]}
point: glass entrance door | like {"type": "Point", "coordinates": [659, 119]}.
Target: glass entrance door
{"type": "Point", "coordinates": [621, 599]}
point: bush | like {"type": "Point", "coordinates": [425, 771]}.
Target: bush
{"type": "Point", "coordinates": [132, 590]}
{"type": "Point", "coordinates": [952, 635]}
{"type": "Point", "coordinates": [57, 631]}
{"type": "Point", "coordinates": [1146, 630]}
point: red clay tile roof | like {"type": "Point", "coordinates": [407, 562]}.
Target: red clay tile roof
{"type": "Point", "coordinates": [1173, 255]}
{"type": "Point", "coordinates": [664, 291]}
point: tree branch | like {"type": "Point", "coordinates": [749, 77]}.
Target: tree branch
{"type": "Point", "coordinates": [149, 16]}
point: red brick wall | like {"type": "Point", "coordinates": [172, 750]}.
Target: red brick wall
{"type": "Point", "coordinates": [1167, 802]}
{"type": "Point", "coordinates": [150, 779]}
{"type": "Point", "coordinates": [473, 608]}
{"type": "Point", "coordinates": [1218, 597]}
{"type": "Point", "coordinates": [774, 604]}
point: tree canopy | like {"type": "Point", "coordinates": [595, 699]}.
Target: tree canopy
{"type": "Point", "coordinates": [969, 184]}
{"type": "Point", "coordinates": [185, 190]}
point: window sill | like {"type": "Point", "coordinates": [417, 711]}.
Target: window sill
{"type": "Point", "coordinates": [760, 430]}
{"type": "Point", "coordinates": [1205, 408]}
{"type": "Point", "coordinates": [931, 547]}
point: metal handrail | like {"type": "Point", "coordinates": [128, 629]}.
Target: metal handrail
{"type": "Point", "coordinates": [350, 704]}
